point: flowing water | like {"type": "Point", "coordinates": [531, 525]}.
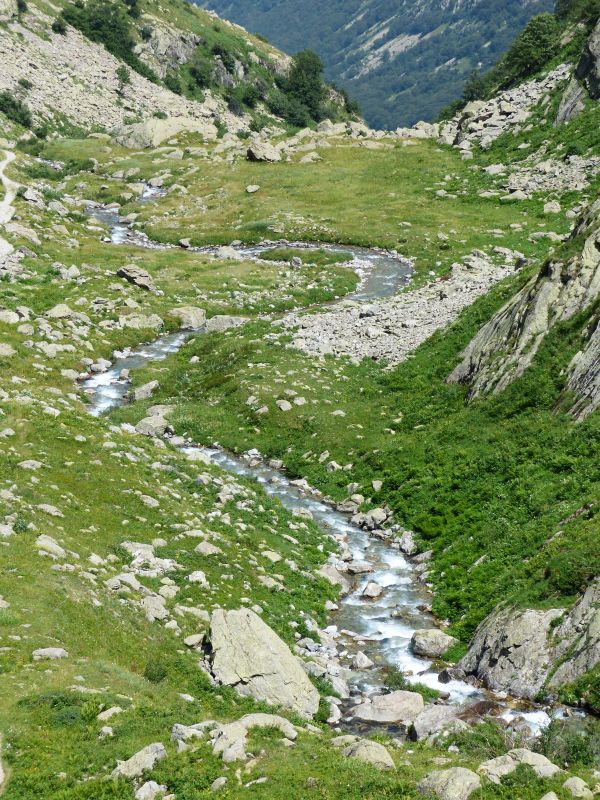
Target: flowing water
{"type": "Point", "coordinates": [381, 628]}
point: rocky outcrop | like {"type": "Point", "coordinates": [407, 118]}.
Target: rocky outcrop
{"type": "Point", "coordinates": [153, 132]}
{"type": "Point", "coordinates": [520, 651]}
{"type": "Point", "coordinates": [507, 344]}
{"type": "Point", "coordinates": [167, 48]}
{"type": "Point", "coordinates": [588, 69]}
{"type": "Point", "coordinates": [571, 103]}
{"type": "Point", "coordinates": [584, 375]}
{"type": "Point", "coordinates": [481, 122]}
{"type": "Point", "coordinates": [249, 656]}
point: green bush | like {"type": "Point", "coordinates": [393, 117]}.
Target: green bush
{"type": "Point", "coordinates": [59, 26]}
{"type": "Point", "coordinates": [15, 110]}
{"type": "Point", "coordinates": [155, 670]}
{"type": "Point", "coordinates": [570, 742]}
{"type": "Point", "coordinates": [107, 22]}
{"type": "Point", "coordinates": [395, 679]}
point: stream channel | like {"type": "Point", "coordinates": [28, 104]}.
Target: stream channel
{"type": "Point", "coordinates": [381, 628]}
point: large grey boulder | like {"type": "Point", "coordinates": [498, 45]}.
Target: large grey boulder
{"type": "Point", "coordinates": [497, 768]}
{"type": "Point", "coordinates": [140, 322]}
{"type": "Point", "coordinates": [153, 132]}
{"type": "Point", "coordinates": [400, 706]}
{"type": "Point", "coordinates": [263, 151]}
{"type": "Point", "coordinates": [431, 642]}
{"type": "Point", "coordinates": [143, 761]}
{"type": "Point", "coordinates": [432, 720]}
{"type": "Point", "coordinates": [509, 651]}
{"type": "Point", "coordinates": [137, 276]}
{"type": "Point", "coordinates": [370, 752]}
{"type": "Point", "coordinates": [456, 783]}
{"type": "Point", "coordinates": [191, 318]}
{"type": "Point", "coordinates": [251, 657]}
{"type": "Point", "coordinates": [224, 322]}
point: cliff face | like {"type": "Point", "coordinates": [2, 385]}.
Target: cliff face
{"type": "Point", "coordinates": [507, 344]}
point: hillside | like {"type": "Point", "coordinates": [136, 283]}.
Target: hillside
{"type": "Point", "coordinates": [403, 61]}
{"type": "Point", "coordinates": [299, 420]}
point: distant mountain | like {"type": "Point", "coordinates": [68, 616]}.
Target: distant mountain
{"type": "Point", "coordinates": [403, 60]}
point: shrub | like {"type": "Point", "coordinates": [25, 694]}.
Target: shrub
{"type": "Point", "coordinates": [21, 6]}
{"type": "Point", "coordinates": [25, 84]}
{"type": "Point", "coordinates": [146, 33]}
{"type": "Point", "coordinates": [155, 670]}
{"type": "Point", "coordinates": [107, 22]}
{"type": "Point", "coordinates": [567, 742]}
{"type": "Point", "coordinates": [173, 82]}
{"type": "Point", "coordinates": [59, 26]}
{"type": "Point", "coordinates": [202, 71]}
{"type": "Point", "coordinates": [15, 110]}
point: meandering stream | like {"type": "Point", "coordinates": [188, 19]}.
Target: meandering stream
{"type": "Point", "coordinates": [381, 628]}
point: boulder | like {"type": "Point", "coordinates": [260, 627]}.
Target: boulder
{"type": "Point", "coordinates": [140, 322]}
{"type": "Point", "coordinates": [496, 768]}
{"type": "Point", "coordinates": [263, 151]}
{"type": "Point", "coordinates": [399, 706]}
{"type": "Point", "coordinates": [456, 783]}
{"type": "Point", "coordinates": [372, 591]}
{"type": "Point", "coordinates": [223, 322]}
{"type": "Point", "coordinates": [142, 761]}
{"type": "Point", "coordinates": [153, 132]}
{"type": "Point", "coordinates": [578, 788]}
{"type": "Point", "coordinates": [229, 740]}
{"type": "Point", "coordinates": [49, 654]}
{"type": "Point", "coordinates": [370, 752]}
{"type": "Point", "coordinates": [191, 318]}
{"type": "Point", "coordinates": [142, 392]}
{"type": "Point", "coordinates": [251, 657]}
{"type": "Point", "coordinates": [137, 276]}
{"type": "Point", "coordinates": [431, 642]}
{"type": "Point", "coordinates": [432, 720]}
{"type": "Point", "coordinates": [153, 426]}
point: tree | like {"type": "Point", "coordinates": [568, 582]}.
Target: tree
{"type": "Point", "coordinates": [536, 45]}
{"type": "Point", "coordinates": [123, 77]}
{"type": "Point", "coordinates": [305, 81]}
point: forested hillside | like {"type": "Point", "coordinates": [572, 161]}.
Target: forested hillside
{"type": "Point", "coordinates": [403, 60]}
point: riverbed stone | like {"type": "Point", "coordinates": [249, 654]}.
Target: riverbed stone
{"type": "Point", "coordinates": [399, 706]}
{"type": "Point", "coordinates": [372, 591]}
{"type": "Point", "coordinates": [431, 642]}
{"type": "Point", "coordinates": [250, 656]}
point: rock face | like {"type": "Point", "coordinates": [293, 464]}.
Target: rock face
{"type": "Point", "coordinates": [167, 48]}
{"type": "Point", "coordinates": [431, 642]}
{"type": "Point", "coordinates": [507, 344]}
{"type": "Point", "coordinates": [456, 783]}
{"type": "Point", "coordinates": [249, 656]}
{"type": "Point", "coordinates": [588, 69]}
{"type": "Point", "coordinates": [520, 651]}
